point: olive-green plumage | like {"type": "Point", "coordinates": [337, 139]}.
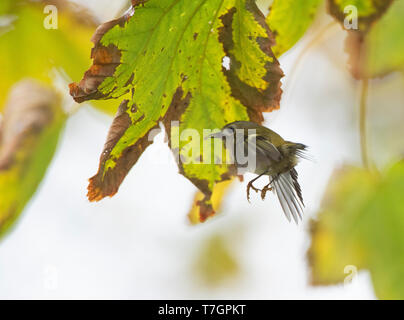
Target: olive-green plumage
{"type": "Point", "coordinates": [274, 157]}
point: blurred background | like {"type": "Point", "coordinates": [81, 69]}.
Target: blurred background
{"type": "Point", "coordinates": [140, 245]}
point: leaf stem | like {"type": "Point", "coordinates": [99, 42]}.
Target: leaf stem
{"type": "Point", "coordinates": [362, 122]}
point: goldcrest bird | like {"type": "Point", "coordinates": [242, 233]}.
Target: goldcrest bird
{"type": "Point", "coordinates": [274, 157]}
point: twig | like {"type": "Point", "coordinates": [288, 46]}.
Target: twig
{"type": "Point", "coordinates": [362, 122]}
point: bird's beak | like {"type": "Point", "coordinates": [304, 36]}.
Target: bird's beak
{"type": "Point", "coordinates": [218, 135]}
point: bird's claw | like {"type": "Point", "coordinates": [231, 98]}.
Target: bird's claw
{"type": "Point", "coordinates": [251, 186]}
{"type": "Point", "coordinates": [264, 191]}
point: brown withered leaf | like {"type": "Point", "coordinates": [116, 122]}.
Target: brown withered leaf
{"type": "Point", "coordinates": [198, 213]}
{"type": "Point", "coordinates": [105, 61]}
{"type": "Point", "coordinates": [256, 100]}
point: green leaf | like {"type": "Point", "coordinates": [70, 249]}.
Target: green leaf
{"type": "Point", "coordinates": [4, 7]}
{"type": "Point", "coordinates": [28, 49]}
{"type": "Point", "coordinates": [369, 12]}
{"type": "Point", "coordinates": [29, 133]}
{"type": "Point", "coordinates": [289, 20]}
{"type": "Point", "coordinates": [366, 8]}
{"type": "Point", "coordinates": [385, 43]}
{"type": "Point", "coordinates": [166, 60]}
{"type": "Point", "coordinates": [362, 224]}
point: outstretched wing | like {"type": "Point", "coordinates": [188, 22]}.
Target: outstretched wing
{"type": "Point", "coordinates": [264, 147]}
{"type": "Point", "coordinates": [289, 194]}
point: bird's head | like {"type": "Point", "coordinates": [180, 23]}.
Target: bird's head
{"type": "Point", "coordinates": [227, 131]}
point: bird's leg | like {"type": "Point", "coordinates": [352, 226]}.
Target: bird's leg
{"type": "Point", "coordinates": [266, 188]}
{"type": "Point", "coordinates": [251, 186]}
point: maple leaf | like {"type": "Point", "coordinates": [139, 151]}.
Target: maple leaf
{"type": "Point", "coordinates": [164, 61]}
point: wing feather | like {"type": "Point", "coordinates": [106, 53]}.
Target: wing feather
{"type": "Point", "coordinates": [281, 199]}
{"type": "Point", "coordinates": [265, 147]}
{"type": "Point", "coordinates": [292, 196]}
{"type": "Point", "coordinates": [289, 194]}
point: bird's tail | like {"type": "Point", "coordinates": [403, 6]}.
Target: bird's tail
{"type": "Point", "coordinates": [289, 193]}
{"type": "Point", "coordinates": [299, 150]}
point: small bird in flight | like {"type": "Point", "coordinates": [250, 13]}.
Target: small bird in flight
{"type": "Point", "coordinates": [274, 157]}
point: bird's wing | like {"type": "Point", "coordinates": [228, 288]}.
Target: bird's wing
{"type": "Point", "coordinates": [289, 194]}
{"type": "Point", "coordinates": [265, 147]}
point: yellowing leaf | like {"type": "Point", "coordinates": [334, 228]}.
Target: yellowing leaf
{"type": "Point", "coordinates": [362, 224]}
{"type": "Point", "coordinates": [29, 132]}
{"type": "Point", "coordinates": [366, 8]}
{"type": "Point", "coordinates": [165, 62]}
{"type": "Point", "coordinates": [289, 20]}
{"type": "Point", "coordinates": [196, 214]}
{"type": "Point", "coordinates": [216, 262]}
{"type": "Point", "coordinates": [368, 13]}
{"type": "Point", "coordinates": [384, 43]}
{"type": "Point", "coordinates": [28, 49]}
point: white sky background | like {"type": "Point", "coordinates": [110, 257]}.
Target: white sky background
{"type": "Point", "coordinates": [139, 245]}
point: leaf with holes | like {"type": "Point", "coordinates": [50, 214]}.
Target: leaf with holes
{"type": "Point", "coordinates": [164, 61]}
